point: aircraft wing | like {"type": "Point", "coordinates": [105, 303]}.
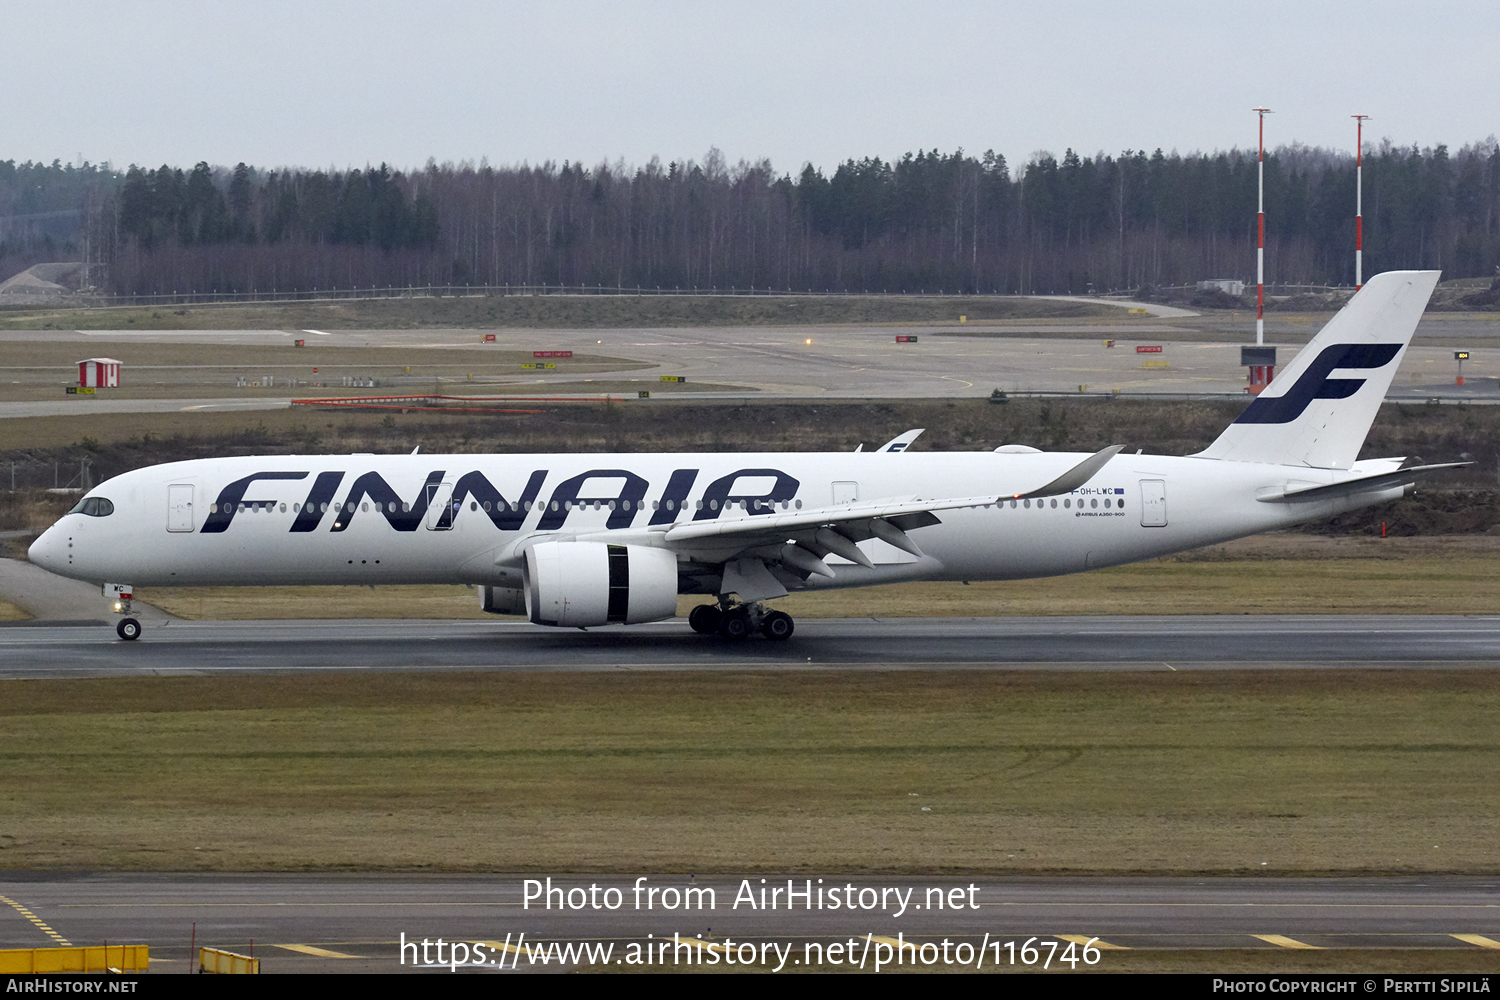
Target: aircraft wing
{"type": "Point", "coordinates": [805, 536]}
{"type": "Point", "coordinates": [905, 514]}
{"type": "Point", "coordinates": [802, 539]}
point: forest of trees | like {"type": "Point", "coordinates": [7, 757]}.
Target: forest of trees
{"type": "Point", "coordinates": [924, 222]}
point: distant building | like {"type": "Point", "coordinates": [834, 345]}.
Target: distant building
{"type": "Point", "coordinates": [1229, 286]}
{"type": "Point", "coordinates": [99, 373]}
{"type": "Point", "coordinates": [42, 284]}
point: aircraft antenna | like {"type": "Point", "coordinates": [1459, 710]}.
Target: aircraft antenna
{"type": "Point", "coordinates": [1260, 232]}
{"type": "Point", "coordinates": [1359, 197]}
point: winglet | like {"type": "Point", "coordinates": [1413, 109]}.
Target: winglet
{"type": "Point", "coordinates": [1076, 476]}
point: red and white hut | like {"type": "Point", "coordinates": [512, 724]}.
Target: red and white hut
{"type": "Point", "coordinates": [99, 373]}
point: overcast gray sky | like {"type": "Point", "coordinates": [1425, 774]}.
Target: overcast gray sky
{"type": "Point", "coordinates": [343, 84]}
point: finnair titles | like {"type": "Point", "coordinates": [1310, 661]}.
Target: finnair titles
{"type": "Point", "coordinates": [582, 541]}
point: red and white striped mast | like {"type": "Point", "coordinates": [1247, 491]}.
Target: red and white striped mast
{"type": "Point", "coordinates": [1260, 233]}
{"type": "Point", "coordinates": [1359, 198]}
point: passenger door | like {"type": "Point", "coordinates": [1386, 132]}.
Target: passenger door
{"type": "Point", "coordinates": [439, 507]}
{"type": "Point", "coordinates": [180, 508]}
{"type": "Point", "coordinates": [1153, 503]}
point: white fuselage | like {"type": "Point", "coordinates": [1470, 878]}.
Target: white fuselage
{"type": "Point", "coordinates": [581, 540]}
{"type": "Point", "coordinates": [189, 524]}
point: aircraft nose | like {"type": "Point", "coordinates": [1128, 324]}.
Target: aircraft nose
{"type": "Point", "coordinates": [46, 551]}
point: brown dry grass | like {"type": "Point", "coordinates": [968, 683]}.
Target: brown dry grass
{"type": "Point", "coordinates": [36, 370]}
{"type": "Point", "coordinates": [1437, 433]}
{"type": "Point", "coordinates": [10, 613]}
{"type": "Point", "coordinates": [627, 388]}
{"type": "Point", "coordinates": [549, 311]}
{"type": "Point", "coordinates": [376, 361]}
{"type": "Point", "coordinates": [26, 514]}
{"type": "Point", "coordinates": [33, 510]}
{"type": "Point", "coordinates": [1286, 772]}
{"type": "Point", "coordinates": [261, 603]}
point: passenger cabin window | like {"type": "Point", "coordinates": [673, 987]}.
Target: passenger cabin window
{"type": "Point", "coordinates": [94, 507]}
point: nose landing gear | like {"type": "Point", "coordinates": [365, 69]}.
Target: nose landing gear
{"type": "Point", "coordinates": [129, 626]}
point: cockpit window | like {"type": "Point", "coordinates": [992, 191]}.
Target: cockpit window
{"type": "Point", "coordinates": [94, 507]}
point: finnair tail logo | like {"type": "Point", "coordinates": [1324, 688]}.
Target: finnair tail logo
{"type": "Point", "coordinates": [1315, 383]}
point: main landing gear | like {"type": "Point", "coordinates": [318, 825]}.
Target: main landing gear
{"type": "Point", "coordinates": [739, 620]}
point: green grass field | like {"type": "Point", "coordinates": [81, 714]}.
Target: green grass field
{"type": "Point", "coordinates": [1288, 772]}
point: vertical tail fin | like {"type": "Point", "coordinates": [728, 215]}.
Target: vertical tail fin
{"type": "Point", "coordinates": [1308, 417]}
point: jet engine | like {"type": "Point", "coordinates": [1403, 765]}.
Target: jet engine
{"type": "Point", "coordinates": [502, 600]}
{"type": "Point", "coordinates": [579, 584]}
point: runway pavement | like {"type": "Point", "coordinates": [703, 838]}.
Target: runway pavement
{"type": "Point", "coordinates": [355, 923]}
{"type": "Point", "coordinates": [1187, 642]}
{"type": "Point", "coordinates": [70, 408]}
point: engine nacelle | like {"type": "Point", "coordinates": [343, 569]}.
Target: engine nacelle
{"type": "Point", "coordinates": [502, 600]}
{"type": "Point", "coordinates": [579, 584]}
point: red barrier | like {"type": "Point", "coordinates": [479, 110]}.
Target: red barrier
{"type": "Point", "coordinates": [416, 402]}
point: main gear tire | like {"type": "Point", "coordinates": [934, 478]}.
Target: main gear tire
{"type": "Point", "coordinates": [736, 625]}
{"type": "Point", "coordinates": [705, 619]}
{"type": "Point", "coordinates": [778, 625]}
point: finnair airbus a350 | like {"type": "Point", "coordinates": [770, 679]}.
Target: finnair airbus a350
{"type": "Point", "coordinates": [589, 540]}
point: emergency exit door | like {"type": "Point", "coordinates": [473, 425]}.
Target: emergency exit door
{"type": "Point", "coordinates": [1153, 503]}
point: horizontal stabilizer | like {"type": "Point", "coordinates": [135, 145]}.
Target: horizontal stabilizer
{"type": "Point", "coordinates": [1365, 484]}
